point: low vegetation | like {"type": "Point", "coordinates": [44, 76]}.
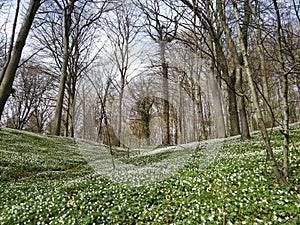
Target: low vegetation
{"type": "Point", "coordinates": [46, 180]}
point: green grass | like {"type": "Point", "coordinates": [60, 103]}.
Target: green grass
{"type": "Point", "coordinates": [45, 180]}
{"type": "Point", "coordinates": [145, 160]}
{"type": "Point", "coordinates": [24, 155]}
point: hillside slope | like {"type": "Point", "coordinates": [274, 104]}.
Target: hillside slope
{"type": "Point", "coordinates": [55, 180]}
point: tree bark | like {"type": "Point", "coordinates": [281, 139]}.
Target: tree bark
{"type": "Point", "coordinates": [234, 81]}
{"type": "Point", "coordinates": [232, 106]}
{"type": "Point", "coordinates": [203, 133]}
{"type": "Point", "coordinates": [121, 95]}
{"type": "Point", "coordinates": [268, 115]}
{"type": "Point", "coordinates": [215, 87]}
{"type": "Point", "coordinates": [11, 45]}
{"type": "Point", "coordinates": [180, 112]}
{"type": "Point", "coordinates": [245, 133]}
{"type": "Point", "coordinates": [12, 65]}
{"type": "Point", "coordinates": [284, 90]}
{"type": "Point", "coordinates": [165, 89]}
{"type": "Point", "coordinates": [281, 179]}
{"type": "Point", "coordinates": [67, 12]}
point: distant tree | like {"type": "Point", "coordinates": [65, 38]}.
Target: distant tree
{"type": "Point", "coordinates": [69, 35]}
{"type": "Point", "coordinates": [66, 9]}
{"type": "Point", "coordinates": [94, 95]}
{"type": "Point", "coordinates": [31, 97]}
{"type": "Point", "coordinates": [207, 13]}
{"type": "Point", "coordinates": [121, 31]}
{"type": "Point", "coordinates": [161, 24]}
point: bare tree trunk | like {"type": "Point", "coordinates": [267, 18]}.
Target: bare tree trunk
{"type": "Point", "coordinates": [122, 86]}
{"type": "Point", "coordinates": [269, 118]}
{"type": "Point", "coordinates": [203, 133]}
{"type": "Point", "coordinates": [180, 112]}
{"type": "Point", "coordinates": [217, 106]}
{"type": "Point", "coordinates": [245, 133]}
{"type": "Point", "coordinates": [66, 120]}
{"type": "Point", "coordinates": [72, 111]}
{"type": "Point", "coordinates": [194, 121]}
{"type": "Point", "coordinates": [103, 104]}
{"type": "Point", "coordinates": [233, 79]}
{"type": "Point", "coordinates": [284, 93]}
{"type": "Point", "coordinates": [69, 115]}
{"type": "Point", "coordinates": [198, 92]}
{"type": "Point", "coordinates": [12, 39]}
{"type": "Point", "coordinates": [83, 113]}
{"type": "Point", "coordinates": [165, 87]}
{"type": "Point", "coordinates": [218, 113]}
{"type": "Point", "coordinates": [68, 107]}
{"type": "Point", "coordinates": [12, 66]}
{"type": "Point", "coordinates": [281, 179]}
{"type": "Point", "coordinates": [232, 106]}
{"type": "Point", "coordinates": [67, 11]}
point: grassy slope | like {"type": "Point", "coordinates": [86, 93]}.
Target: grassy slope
{"type": "Point", "coordinates": [45, 180]}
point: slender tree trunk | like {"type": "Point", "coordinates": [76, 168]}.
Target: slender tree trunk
{"type": "Point", "coordinates": [268, 115]}
{"type": "Point", "coordinates": [68, 107]}
{"type": "Point", "coordinates": [72, 92]}
{"type": "Point", "coordinates": [83, 113]}
{"type": "Point", "coordinates": [245, 133]}
{"type": "Point", "coordinates": [258, 111]}
{"type": "Point", "coordinates": [232, 107]}
{"type": "Point", "coordinates": [103, 104]}
{"type": "Point", "coordinates": [165, 87]}
{"type": "Point", "coordinates": [283, 92]}
{"type": "Point", "coordinates": [193, 135]}
{"type": "Point", "coordinates": [12, 39]}
{"type": "Point", "coordinates": [71, 110]}
{"type": "Point", "coordinates": [67, 11]}
{"type": "Point", "coordinates": [198, 92]}
{"type": "Point", "coordinates": [122, 86]}
{"type": "Point", "coordinates": [12, 65]}
{"type": "Point", "coordinates": [66, 120]}
{"type": "Point", "coordinates": [218, 114]}
{"type": "Point", "coordinates": [180, 112]}
{"type": "Point", "coordinates": [203, 133]}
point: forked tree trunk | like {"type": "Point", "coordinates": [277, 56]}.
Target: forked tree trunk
{"type": "Point", "coordinates": [67, 11]}
{"type": "Point", "coordinates": [238, 63]}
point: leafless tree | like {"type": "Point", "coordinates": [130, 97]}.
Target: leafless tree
{"type": "Point", "coordinates": [69, 33]}
{"type": "Point", "coordinates": [161, 24]}
{"type": "Point", "coordinates": [122, 30]}
{"type": "Point", "coordinates": [31, 100]}
{"type": "Point", "coordinates": [11, 65]}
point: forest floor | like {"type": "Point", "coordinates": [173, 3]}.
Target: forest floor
{"type": "Point", "coordinates": [55, 180]}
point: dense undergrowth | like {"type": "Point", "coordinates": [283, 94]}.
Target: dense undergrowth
{"type": "Point", "coordinates": [45, 180]}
